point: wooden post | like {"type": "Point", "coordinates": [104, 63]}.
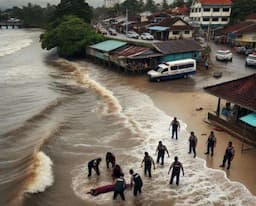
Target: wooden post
{"type": "Point", "coordinates": [218, 108]}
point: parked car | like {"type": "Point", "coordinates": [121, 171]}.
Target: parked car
{"type": "Point", "coordinates": [224, 55]}
{"type": "Point", "coordinates": [240, 49]}
{"type": "Point", "coordinates": [146, 36]}
{"type": "Point", "coordinates": [132, 34]}
{"type": "Point", "coordinates": [112, 32]}
{"type": "Point", "coordinates": [103, 31]}
{"type": "Point", "coordinates": [249, 51]}
{"type": "Point", "coordinates": [251, 60]}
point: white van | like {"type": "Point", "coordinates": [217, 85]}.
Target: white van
{"type": "Point", "coordinates": [173, 70]}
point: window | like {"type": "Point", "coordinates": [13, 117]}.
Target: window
{"type": "Point", "coordinates": [207, 9]}
{"type": "Point", "coordinates": [225, 9]}
{"type": "Point", "coordinates": [187, 32]}
{"type": "Point", "coordinates": [224, 19]}
{"type": "Point", "coordinates": [199, 10]}
{"type": "Point", "coordinates": [175, 32]}
{"type": "Point", "coordinates": [216, 9]}
{"type": "Point", "coordinates": [164, 70]}
{"type": "Point", "coordinates": [174, 68]}
{"type": "Point", "coordinates": [215, 19]}
{"type": "Point", "coordinates": [205, 19]}
{"type": "Point", "coordinates": [184, 66]}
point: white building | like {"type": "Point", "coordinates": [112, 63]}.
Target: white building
{"type": "Point", "coordinates": [211, 13]}
{"type": "Point", "coordinates": [110, 3]}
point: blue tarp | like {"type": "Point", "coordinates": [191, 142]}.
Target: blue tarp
{"type": "Point", "coordinates": [158, 28]}
{"type": "Point", "coordinates": [249, 119]}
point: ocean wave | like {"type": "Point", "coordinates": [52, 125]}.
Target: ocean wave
{"type": "Point", "coordinates": [42, 176]}
{"type": "Point", "coordinates": [200, 185]}
{"type": "Point", "coordinates": [13, 46]}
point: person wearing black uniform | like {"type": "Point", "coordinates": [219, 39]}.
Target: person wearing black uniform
{"type": "Point", "coordinates": [137, 182]}
{"type": "Point", "coordinates": [229, 155]}
{"type": "Point", "coordinates": [211, 142]}
{"type": "Point", "coordinates": [148, 161]}
{"type": "Point", "coordinates": [192, 143]}
{"type": "Point", "coordinates": [175, 125]}
{"type": "Point", "coordinates": [119, 187]}
{"type": "Point", "coordinates": [161, 149]}
{"type": "Point", "coordinates": [110, 158]}
{"type": "Point", "coordinates": [94, 164]}
{"type": "Point", "coordinates": [176, 166]}
{"type": "Point", "coordinates": [117, 172]}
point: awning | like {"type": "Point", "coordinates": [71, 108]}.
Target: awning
{"type": "Point", "coordinates": [109, 45]}
{"type": "Point", "coordinates": [158, 28]}
{"type": "Point", "coordinates": [249, 119]}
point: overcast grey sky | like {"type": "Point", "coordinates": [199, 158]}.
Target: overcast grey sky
{"type": "Point", "coordinates": [10, 3]}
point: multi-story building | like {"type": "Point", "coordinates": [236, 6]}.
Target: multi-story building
{"type": "Point", "coordinates": [110, 3]}
{"type": "Point", "coordinates": [211, 13]}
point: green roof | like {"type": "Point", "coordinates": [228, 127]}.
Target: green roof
{"type": "Point", "coordinates": [250, 119]}
{"type": "Point", "coordinates": [108, 45]}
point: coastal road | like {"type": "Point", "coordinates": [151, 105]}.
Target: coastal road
{"type": "Point", "coordinates": [235, 68]}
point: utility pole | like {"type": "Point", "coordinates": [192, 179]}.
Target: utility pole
{"type": "Point", "coordinates": [126, 30]}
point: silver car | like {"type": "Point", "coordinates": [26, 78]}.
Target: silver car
{"type": "Point", "coordinates": [224, 55]}
{"type": "Point", "coordinates": [132, 34]}
{"type": "Point", "coordinates": [146, 36]}
{"type": "Point", "coordinates": [250, 60]}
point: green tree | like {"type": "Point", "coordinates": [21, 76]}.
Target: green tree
{"type": "Point", "coordinates": [70, 35]}
{"type": "Point", "coordinates": [77, 8]}
{"type": "Point", "coordinates": [178, 3]}
{"type": "Point", "coordinates": [242, 8]}
{"type": "Point", "coordinates": [165, 5]}
{"type": "Point", "coordinates": [132, 6]}
{"type": "Point", "coordinates": [150, 6]}
{"type": "Point", "coordinates": [141, 5]}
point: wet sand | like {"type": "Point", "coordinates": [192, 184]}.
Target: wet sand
{"type": "Point", "coordinates": [180, 98]}
{"type": "Point", "coordinates": [183, 106]}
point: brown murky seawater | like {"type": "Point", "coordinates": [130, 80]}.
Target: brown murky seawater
{"type": "Point", "coordinates": [57, 115]}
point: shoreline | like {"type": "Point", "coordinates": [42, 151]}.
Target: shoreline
{"type": "Point", "coordinates": [183, 106]}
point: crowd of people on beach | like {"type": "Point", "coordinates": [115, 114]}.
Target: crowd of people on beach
{"type": "Point", "coordinates": [119, 184]}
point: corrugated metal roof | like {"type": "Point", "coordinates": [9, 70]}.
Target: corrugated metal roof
{"type": "Point", "coordinates": [108, 45]}
{"type": "Point", "coordinates": [239, 91]}
{"type": "Point", "coordinates": [131, 51]}
{"type": "Point", "coordinates": [177, 46]}
{"type": "Point", "coordinates": [158, 28]}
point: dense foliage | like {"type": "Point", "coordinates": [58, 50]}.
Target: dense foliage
{"type": "Point", "coordinates": [242, 8]}
{"type": "Point", "coordinates": [70, 35]}
{"type": "Point", "coordinates": [78, 8]}
{"type": "Point", "coordinates": [31, 15]}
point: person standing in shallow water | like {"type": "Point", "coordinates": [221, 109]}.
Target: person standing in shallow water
{"type": "Point", "coordinates": [192, 143]}
{"type": "Point", "coordinates": [176, 166]}
{"type": "Point", "coordinates": [119, 188]}
{"type": "Point", "coordinates": [229, 155]}
{"type": "Point", "coordinates": [161, 149]}
{"type": "Point", "coordinates": [94, 164]}
{"type": "Point", "coordinates": [148, 161]}
{"type": "Point", "coordinates": [136, 179]}
{"type": "Point", "coordinates": [175, 126]}
{"type": "Point", "coordinates": [211, 143]}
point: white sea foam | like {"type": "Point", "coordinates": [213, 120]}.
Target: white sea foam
{"type": "Point", "coordinates": [199, 186]}
{"type": "Point", "coordinates": [10, 47]}
{"type": "Point", "coordinates": [43, 177]}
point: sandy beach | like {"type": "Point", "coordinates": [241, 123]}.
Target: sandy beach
{"type": "Point", "coordinates": [180, 98]}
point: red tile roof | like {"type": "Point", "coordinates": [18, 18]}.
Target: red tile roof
{"type": "Point", "coordinates": [242, 27]}
{"type": "Point", "coordinates": [218, 2]}
{"type": "Point", "coordinates": [239, 91]}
